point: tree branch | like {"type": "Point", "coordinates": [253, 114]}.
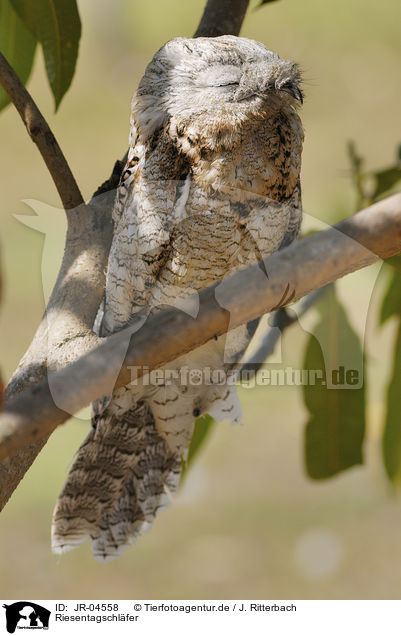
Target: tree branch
{"type": "Point", "coordinates": [39, 131]}
{"type": "Point", "coordinates": [222, 17]}
{"type": "Point", "coordinates": [306, 265]}
{"type": "Point", "coordinates": [65, 331]}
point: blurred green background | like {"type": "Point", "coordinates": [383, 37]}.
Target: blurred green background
{"type": "Point", "coordinates": [248, 523]}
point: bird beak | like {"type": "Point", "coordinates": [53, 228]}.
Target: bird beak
{"type": "Point", "coordinates": [297, 94]}
{"type": "Point", "coordinates": [291, 88]}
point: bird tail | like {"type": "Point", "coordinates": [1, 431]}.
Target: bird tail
{"type": "Point", "coordinates": [121, 478]}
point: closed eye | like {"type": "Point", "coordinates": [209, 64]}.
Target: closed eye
{"type": "Point", "coordinates": [228, 84]}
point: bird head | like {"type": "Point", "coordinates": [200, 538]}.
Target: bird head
{"type": "Point", "coordinates": [206, 83]}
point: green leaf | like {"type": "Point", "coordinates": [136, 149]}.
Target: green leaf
{"type": "Point", "coordinates": [386, 179]}
{"type": "Point", "coordinates": [17, 45]}
{"type": "Point", "coordinates": [394, 261]}
{"type": "Point", "coordinates": [335, 430]}
{"type": "Point", "coordinates": [391, 443]}
{"type": "Point", "coordinates": [391, 304]}
{"type": "Point", "coordinates": [202, 429]}
{"type": "Point", "coordinates": [57, 26]}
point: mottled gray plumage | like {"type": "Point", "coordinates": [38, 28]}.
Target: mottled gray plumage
{"type": "Point", "coordinates": [211, 185]}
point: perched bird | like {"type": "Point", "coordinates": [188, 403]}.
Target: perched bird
{"type": "Point", "coordinates": [211, 185]}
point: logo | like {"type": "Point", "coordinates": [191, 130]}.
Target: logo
{"type": "Point", "coordinates": [26, 615]}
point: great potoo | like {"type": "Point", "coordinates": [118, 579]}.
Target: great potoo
{"type": "Point", "coordinates": [211, 185]}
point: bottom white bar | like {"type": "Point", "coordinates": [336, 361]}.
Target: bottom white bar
{"type": "Point", "coordinates": [170, 617]}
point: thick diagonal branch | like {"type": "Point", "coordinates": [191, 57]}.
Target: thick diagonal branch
{"type": "Point", "coordinates": [307, 265]}
{"type": "Point", "coordinates": [66, 327]}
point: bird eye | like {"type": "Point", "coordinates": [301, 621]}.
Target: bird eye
{"type": "Point", "coordinates": [228, 84]}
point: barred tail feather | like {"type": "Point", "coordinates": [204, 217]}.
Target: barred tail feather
{"type": "Point", "coordinates": [121, 478]}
